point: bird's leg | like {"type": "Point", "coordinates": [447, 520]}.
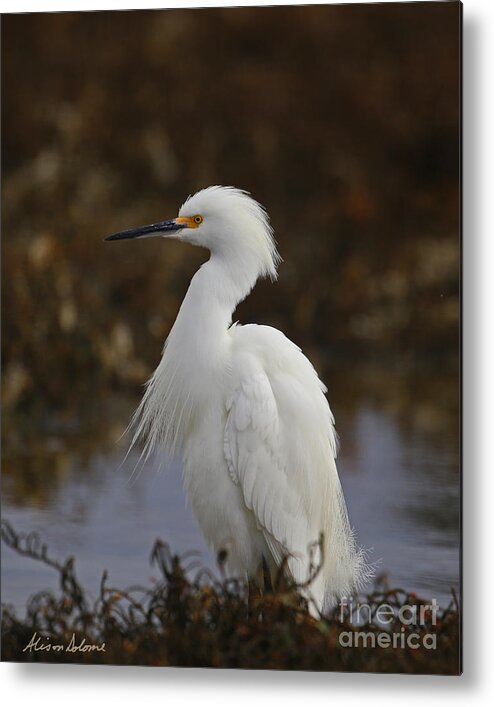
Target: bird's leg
{"type": "Point", "coordinates": [266, 575]}
{"type": "Point", "coordinates": [255, 591]}
{"type": "Point", "coordinates": [261, 583]}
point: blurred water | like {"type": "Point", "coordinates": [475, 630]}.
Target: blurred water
{"type": "Point", "coordinates": [401, 487]}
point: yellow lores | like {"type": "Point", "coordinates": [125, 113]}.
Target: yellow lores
{"type": "Point", "coordinates": [190, 221]}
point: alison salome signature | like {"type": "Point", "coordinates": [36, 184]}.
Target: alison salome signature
{"type": "Point", "coordinates": [37, 643]}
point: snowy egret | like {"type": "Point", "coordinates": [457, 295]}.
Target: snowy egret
{"type": "Point", "coordinates": [246, 410]}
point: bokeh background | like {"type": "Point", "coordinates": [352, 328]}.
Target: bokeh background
{"type": "Point", "coordinates": [344, 122]}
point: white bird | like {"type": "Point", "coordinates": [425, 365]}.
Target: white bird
{"type": "Point", "coordinates": [246, 410]}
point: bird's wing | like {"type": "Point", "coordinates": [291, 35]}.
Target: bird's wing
{"type": "Point", "coordinates": [280, 447]}
{"type": "Point", "coordinates": [256, 459]}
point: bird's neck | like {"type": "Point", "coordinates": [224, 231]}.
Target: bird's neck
{"type": "Point", "coordinates": [196, 362]}
{"type": "Point", "coordinates": [214, 293]}
{"type": "Point", "coordinates": [194, 369]}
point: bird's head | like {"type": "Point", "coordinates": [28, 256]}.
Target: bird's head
{"type": "Point", "coordinates": [226, 221]}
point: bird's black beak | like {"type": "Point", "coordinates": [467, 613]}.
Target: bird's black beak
{"type": "Point", "coordinates": [154, 229]}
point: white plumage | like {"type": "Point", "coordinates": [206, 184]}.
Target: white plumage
{"type": "Point", "coordinates": [246, 410]}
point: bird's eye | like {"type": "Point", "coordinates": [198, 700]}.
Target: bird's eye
{"type": "Point", "coordinates": [198, 219]}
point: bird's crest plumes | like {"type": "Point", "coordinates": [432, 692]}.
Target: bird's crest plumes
{"type": "Point", "coordinates": [239, 221]}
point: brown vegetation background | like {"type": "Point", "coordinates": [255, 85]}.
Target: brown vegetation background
{"type": "Point", "coordinates": [342, 120]}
